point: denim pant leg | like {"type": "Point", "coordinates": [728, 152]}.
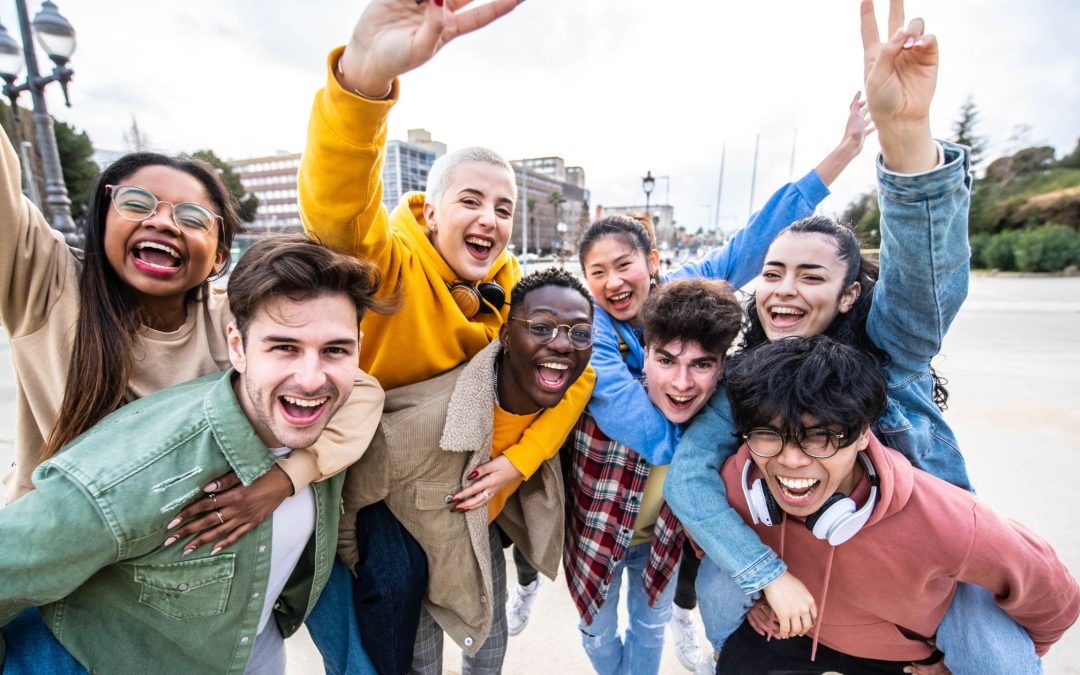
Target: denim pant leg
{"type": "Point", "coordinates": [489, 658]}
{"type": "Point", "coordinates": [978, 637]}
{"type": "Point", "coordinates": [32, 649]}
{"type": "Point", "coordinates": [723, 604]}
{"type": "Point", "coordinates": [601, 638]}
{"type": "Point", "coordinates": [644, 643]}
{"type": "Point", "coordinates": [334, 628]}
{"type": "Point", "coordinates": [391, 579]}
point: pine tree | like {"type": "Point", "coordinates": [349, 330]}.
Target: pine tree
{"type": "Point", "coordinates": [964, 131]}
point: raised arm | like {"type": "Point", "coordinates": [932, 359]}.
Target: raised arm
{"type": "Point", "coordinates": [924, 198]}
{"type": "Point", "coordinates": [741, 259]}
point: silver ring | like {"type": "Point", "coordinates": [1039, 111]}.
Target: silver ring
{"type": "Point", "coordinates": [220, 517]}
{"type": "Point", "coordinates": [487, 494]}
{"type": "Point", "coordinates": [213, 498]}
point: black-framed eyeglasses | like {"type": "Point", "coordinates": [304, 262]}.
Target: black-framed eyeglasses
{"type": "Point", "coordinates": [816, 442]}
{"type": "Point", "coordinates": [545, 330]}
{"type": "Point", "coordinates": [138, 204]}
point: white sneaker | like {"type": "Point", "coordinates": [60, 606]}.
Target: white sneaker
{"type": "Point", "coordinates": [687, 649]}
{"type": "Point", "coordinates": [520, 605]}
{"type": "Point", "coordinates": [707, 664]}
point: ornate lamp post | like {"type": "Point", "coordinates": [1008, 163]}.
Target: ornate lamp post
{"type": "Point", "coordinates": [56, 36]}
{"type": "Point", "coordinates": [647, 184]}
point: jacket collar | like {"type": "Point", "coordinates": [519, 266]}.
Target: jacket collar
{"type": "Point", "coordinates": [416, 233]}
{"type": "Point", "coordinates": [470, 414]}
{"type": "Point", "coordinates": [233, 432]}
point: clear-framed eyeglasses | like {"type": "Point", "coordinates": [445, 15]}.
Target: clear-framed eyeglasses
{"type": "Point", "coordinates": [545, 330]}
{"type": "Point", "coordinates": [816, 442]}
{"type": "Point", "coordinates": [138, 204]}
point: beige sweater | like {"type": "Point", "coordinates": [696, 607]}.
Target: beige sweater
{"type": "Point", "coordinates": [39, 307]}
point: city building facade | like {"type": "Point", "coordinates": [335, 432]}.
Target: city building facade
{"type": "Point", "coordinates": [557, 203]}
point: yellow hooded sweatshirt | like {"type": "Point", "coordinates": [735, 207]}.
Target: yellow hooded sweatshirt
{"type": "Point", "coordinates": [340, 187]}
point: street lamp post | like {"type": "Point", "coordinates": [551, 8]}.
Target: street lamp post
{"type": "Point", "coordinates": [647, 184]}
{"type": "Point", "coordinates": [57, 38]}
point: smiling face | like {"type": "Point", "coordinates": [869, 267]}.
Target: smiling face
{"type": "Point", "coordinates": [296, 365]}
{"type": "Point", "coordinates": [680, 378]}
{"type": "Point", "coordinates": [472, 221]}
{"type": "Point", "coordinates": [533, 375]}
{"type": "Point", "coordinates": [618, 276]}
{"type": "Point", "coordinates": [801, 288]}
{"type": "Point", "coordinates": [801, 483]}
{"type": "Point", "coordinates": [153, 256]}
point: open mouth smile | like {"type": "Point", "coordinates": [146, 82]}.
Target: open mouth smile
{"type": "Point", "coordinates": [680, 402]}
{"type": "Point", "coordinates": [620, 301]}
{"type": "Point", "coordinates": [302, 411]}
{"type": "Point", "coordinates": [785, 317]}
{"type": "Point", "coordinates": [552, 375]}
{"type": "Point", "coordinates": [157, 258]}
{"type": "Point", "coordinates": [797, 491]}
{"type": "Point", "coordinates": [479, 247]}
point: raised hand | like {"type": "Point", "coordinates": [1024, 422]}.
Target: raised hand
{"type": "Point", "coordinates": [856, 129]}
{"type": "Point", "coordinates": [396, 36]}
{"type": "Point", "coordinates": [900, 78]}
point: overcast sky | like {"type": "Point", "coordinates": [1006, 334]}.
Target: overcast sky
{"type": "Point", "coordinates": [616, 86]}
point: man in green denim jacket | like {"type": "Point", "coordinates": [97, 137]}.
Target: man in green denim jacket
{"type": "Point", "coordinates": [87, 545]}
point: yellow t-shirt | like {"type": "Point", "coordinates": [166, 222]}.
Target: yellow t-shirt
{"type": "Point", "coordinates": [507, 431]}
{"type": "Point", "coordinates": [652, 499]}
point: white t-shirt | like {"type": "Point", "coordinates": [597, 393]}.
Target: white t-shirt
{"type": "Point", "coordinates": [294, 523]}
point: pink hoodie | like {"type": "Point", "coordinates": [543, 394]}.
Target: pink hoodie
{"type": "Point", "coordinates": [896, 577]}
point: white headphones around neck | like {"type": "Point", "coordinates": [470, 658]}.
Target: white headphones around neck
{"type": "Point", "coordinates": [836, 521]}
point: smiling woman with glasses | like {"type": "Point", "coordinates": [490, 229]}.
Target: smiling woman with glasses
{"type": "Point", "coordinates": [138, 204]}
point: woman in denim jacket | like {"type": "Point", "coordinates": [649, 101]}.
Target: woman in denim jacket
{"type": "Point", "coordinates": [814, 281]}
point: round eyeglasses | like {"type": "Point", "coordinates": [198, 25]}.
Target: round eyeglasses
{"type": "Point", "coordinates": [816, 442]}
{"type": "Point", "coordinates": [545, 330]}
{"type": "Point", "coordinates": [138, 204]}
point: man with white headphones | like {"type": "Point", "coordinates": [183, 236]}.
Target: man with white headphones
{"type": "Point", "coordinates": [880, 544]}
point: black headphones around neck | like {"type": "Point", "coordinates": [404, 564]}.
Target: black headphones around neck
{"type": "Point", "coordinates": [486, 297]}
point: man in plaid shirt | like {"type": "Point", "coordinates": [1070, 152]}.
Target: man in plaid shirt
{"type": "Point", "coordinates": [616, 516]}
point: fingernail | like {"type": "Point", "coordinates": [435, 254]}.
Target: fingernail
{"type": "Point", "coordinates": [216, 549]}
{"type": "Point", "coordinates": [169, 541]}
{"type": "Point", "coordinates": [455, 500]}
{"type": "Point", "coordinates": [472, 475]}
{"type": "Point", "coordinates": [438, 3]}
{"type": "Point", "coordinates": [211, 487]}
{"type": "Point", "coordinates": [909, 43]}
{"type": "Point", "coordinates": [173, 523]}
{"type": "Point", "coordinates": [898, 33]}
{"type": "Point", "coordinates": [187, 552]}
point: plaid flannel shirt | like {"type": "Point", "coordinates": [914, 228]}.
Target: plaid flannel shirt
{"type": "Point", "coordinates": [604, 484]}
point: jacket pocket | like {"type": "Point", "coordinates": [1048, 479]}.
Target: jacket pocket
{"type": "Point", "coordinates": [188, 588]}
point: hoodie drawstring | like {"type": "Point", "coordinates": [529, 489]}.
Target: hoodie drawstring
{"type": "Point", "coordinates": [821, 610]}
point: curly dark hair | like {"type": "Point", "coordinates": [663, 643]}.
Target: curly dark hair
{"type": "Point", "coordinates": [839, 385]}
{"type": "Point", "coordinates": [552, 276]}
{"type": "Point", "coordinates": [704, 311]}
{"type": "Point", "coordinates": [848, 327]}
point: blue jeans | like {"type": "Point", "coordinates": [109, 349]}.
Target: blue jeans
{"type": "Point", "coordinates": [32, 649]}
{"type": "Point", "coordinates": [639, 653]}
{"type": "Point", "coordinates": [977, 637]}
{"type": "Point", "coordinates": [334, 628]}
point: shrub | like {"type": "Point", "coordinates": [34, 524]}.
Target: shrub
{"type": "Point", "coordinates": [1048, 248]}
{"type": "Point", "coordinates": [979, 243]}
{"type": "Point", "coordinates": [999, 254]}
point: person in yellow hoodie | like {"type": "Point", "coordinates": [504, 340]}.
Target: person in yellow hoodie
{"type": "Point", "coordinates": [443, 252]}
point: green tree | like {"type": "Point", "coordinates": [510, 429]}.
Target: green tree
{"type": "Point", "coordinates": [1071, 160]}
{"type": "Point", "coordinates": [864, 216]}
{"type": "Point", "coordinates": [964, 131]}
{"type": "Point", "coordinates": [247, 203]}
{"type": "Point", "coordinates": [76, 159]}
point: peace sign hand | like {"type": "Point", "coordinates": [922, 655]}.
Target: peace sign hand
{"type": "Point", "coordinates": [396, 36]}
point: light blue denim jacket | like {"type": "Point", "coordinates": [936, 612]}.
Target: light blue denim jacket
{"type": "Point", "coordinates": [923, 282]}
{"type": "Point", "coordinates": [619, 404]}
{"type": "Point", "coordinates": [86, 545]}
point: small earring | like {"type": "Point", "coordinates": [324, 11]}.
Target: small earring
{"type": "Point", "coordinates": [652, 282]}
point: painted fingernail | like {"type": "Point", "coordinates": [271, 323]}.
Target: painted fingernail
{"type": "Point", "coordinates": [455, 500]}
{"type": "Point", "coordinates": [216, 549]}
{"type": "Point", "coordinates": [438, 3]}
{"type": "Point", "coordinates": [909, 43]}
{"type": "Point", "coordinates": [211, 487]}
{"type": "Point", "coordinates": [187, 552]}
{"type": "Point", "coordinates": [173, 523]}
{"type": "Point", "coordinates": [473, 475]}
{"type": "Point", "coordinates": [169, 541]}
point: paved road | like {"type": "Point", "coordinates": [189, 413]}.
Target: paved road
{"type": "Point", "coordinates": [1013, 363]}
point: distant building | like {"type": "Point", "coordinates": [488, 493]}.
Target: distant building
{"type": "Point", "coordinates": [556, 194]}
{"type": "Point", "coordinates": [273, 180]}
{"type": "Point", "coordinates": [663, 217]}
{"type": "Point", "coordinates": [407, 165]}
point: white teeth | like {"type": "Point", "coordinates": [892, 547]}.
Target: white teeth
{"type": "Point", "coordinates": [158, 247]}
{"type": "Point", "coordinates": [306, 403]}
{"type": "Point", "coordinates": [786, 310]}
{"type": "Point", "coordinates": [478, 242]}
{"type": "Point", "coordinates": [620, 297]}
{"type": "Point", "coordinates": [681, 399]}
{"type": "Point", "coordinates": [555, 366]}
{"type": "Point", "coordinates": [797, 483]}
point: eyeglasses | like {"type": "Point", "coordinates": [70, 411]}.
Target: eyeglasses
{"type": "Point", "coordinates": [138, 204]}
{"type": "Point", "coordinates": [545, 331]}
{"type": "Point", "coordinates": [816, 442]}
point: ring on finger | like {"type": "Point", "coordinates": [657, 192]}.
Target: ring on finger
{"type": "Point", "coordinates": [220, 517]}
{"type": "Point", "coordinates": [213, 498]}
{"type": "Point", "coordinates": [487, 494]}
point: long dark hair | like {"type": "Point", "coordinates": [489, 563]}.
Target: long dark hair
{"type": "Point", "coordinates": [848, 327]}
{"type": "Point", "coordinates": [627, 229]}
{"type": "Point", "coordinates": [109, 313]}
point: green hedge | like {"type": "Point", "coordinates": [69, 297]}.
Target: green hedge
{"type": "Point", "coordinates": [1048, 248]}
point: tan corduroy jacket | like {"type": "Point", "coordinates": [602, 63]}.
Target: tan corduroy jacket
{"type": "Point", "coordinates": [431, 436]}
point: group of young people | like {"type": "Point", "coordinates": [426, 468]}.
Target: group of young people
{"type": "Point", "coordinates": [352, 432]}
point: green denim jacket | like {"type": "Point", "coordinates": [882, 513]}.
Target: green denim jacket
{"type": "Point", "coordinates": [86, 544]}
